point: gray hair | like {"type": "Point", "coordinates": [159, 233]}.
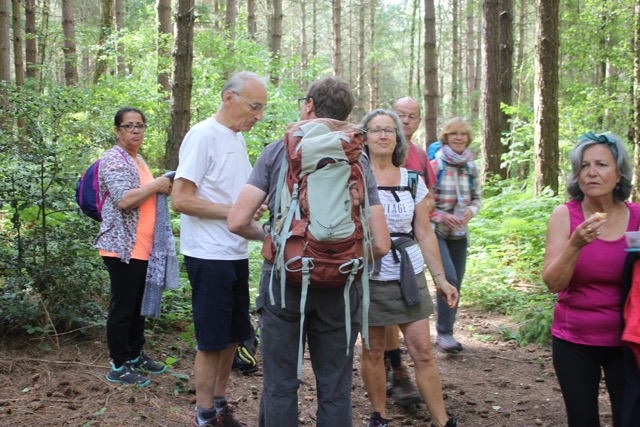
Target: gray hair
{"type": "Point", "coordinates": [622, 191]}
{"type": "Point", "coordinates": [236, 82]}
{"type": "Point", "coordinates": [402, 149]}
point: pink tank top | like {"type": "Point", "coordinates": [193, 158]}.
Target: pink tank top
{"type": "Point", "coordinates": [588, 310]}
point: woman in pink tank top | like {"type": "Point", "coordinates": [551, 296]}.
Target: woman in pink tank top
{"type": "Point", "coordinates": [584, 260]}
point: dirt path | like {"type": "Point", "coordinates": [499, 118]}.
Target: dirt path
{"type": "Point", "coordinates": [491, 383]}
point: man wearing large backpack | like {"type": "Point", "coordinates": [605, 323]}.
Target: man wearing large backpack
{"type": "Point", "coordinates": [324, 312]}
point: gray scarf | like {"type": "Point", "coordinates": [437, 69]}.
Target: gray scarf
{"type": "Point", "coordinates": [163, 271]}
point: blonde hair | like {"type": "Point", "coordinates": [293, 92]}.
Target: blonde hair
{"type": "Point", "coordinates": [455, 123]}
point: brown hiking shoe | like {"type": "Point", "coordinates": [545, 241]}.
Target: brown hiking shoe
{"type": "Point", "coordinates": [403, 390]}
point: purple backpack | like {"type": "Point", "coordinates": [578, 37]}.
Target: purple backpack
{"type": "Point", "coordinates": [88, 191]}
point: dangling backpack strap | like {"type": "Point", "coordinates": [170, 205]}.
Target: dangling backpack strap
{"type": "Point", "coordinates": [274, 233]}
{"type": "Point", "coordinates": [365, 213]}
{"type": "Point", "coordinates": [303, 302]}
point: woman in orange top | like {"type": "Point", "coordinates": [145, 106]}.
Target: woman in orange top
{"type": "Point", "coordinates": [125, 241]}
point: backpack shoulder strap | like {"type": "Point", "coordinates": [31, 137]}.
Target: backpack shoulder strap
{"type": "Point", "coordinates": [424, 160]}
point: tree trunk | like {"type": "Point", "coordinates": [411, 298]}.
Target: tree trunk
{"type": "Point", "coordinates": [373, 73]}
{"type": "Point", "coordinates": [252, 26]}
{"type": "Point", "coordinates": [42, 41]}
{"type": "Point", "coordinates": [412, 46]}
{"type": "Point", "coordinates": [5, 57]}
{"type": "Point", "coordinates": [182, 82]}
{"type": "Point", "coordinates": [522, 18]}
{"type": "Point", "coordinates": [636, 104]}
{"type": "Point", "coordinates": [119, 12]}
{"type": "Point", "coordinates": [30, 38]}
{"type": "Point", "coordinates": [430, 74]}
{"type": "Point", "coordinates": [230, 20]}
{"type": "Point", "coordinates": [491, 146]}
{"type": "Point", "coordinates": [506, 68]}
{"type": "Point", "coordinates": [163, 48]}
{"type": "Point", "coordinates": [69, 49]}
{"type": "Point", "coordinates": [314, 29]}
{"type": "Point", "coordinates": [455, 48]}
{"type": "Point", "coordinates": [472, 89]}
{"type": "Point", "coordinates": [337, 37]}
{"type": "Point", "coordinates": [106, 24]}
{"type": "Point", "coordinates": [360, 95]}
{"type": "Point", "coordinates": [276, 40]}
{"type": "Point", "coordinates": [546, 96]}
{"type": "Point", "coordinates": [304, 55]}
{"type": "Point", "coordinates": [18, 56]}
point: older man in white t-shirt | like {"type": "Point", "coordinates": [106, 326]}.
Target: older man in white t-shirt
{"type": "Point", "coordinates": [213, 169]}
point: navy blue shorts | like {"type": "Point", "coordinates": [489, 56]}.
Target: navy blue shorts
{"type": "Point", "coordinates": [220, 301]}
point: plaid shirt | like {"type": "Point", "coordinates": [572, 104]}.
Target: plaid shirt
{"type": "Point", "coordinates": [445, 193]}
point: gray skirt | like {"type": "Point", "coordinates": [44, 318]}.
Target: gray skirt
{"type": "Point", "coordinates": [388, 306]}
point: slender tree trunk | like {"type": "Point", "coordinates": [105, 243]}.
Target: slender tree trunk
{"type": "Point", "coordinates": [5, 57]}
{"type": "Point", "coordinates": [230, 21]}
{"type": "Point", "coordinates": [546, 96]}
{"type": "Point", "coordinates": [491, 146]}
{"type": "Point", "coordinates": [455, 48]}
{"type": "Point", "coordinates": [69, 49]}
{"type": "Point", "coordinates": [412, 46]}
{"type": "Point", "coordinates": [314, 28]}
{"type": "Point", "coordinates": [182, 82]}
{"type": "Point", "coordinates": [430, 74]}
{"type": "Point", "coordinates": [304, 54]}
{"type": "Point", "coordinates": [520, 56]}
{"type": "Point", "coordinates": [42, 41]}
{"type": "Point", "coordinates": [119, 12]}
{"type": "Point", "coordinates": [163, 48]}
{"type": "Point", "coordinates": [30, 38]}
{"type": "Point", "coordinates": [18, 55]}
{"type": "Point", "coordinates": [506, 67]}
{"type": "Point", "coordinates": [252, 25]}
{"type": "Point", "coordinates": [470, 64]}
{"type": "Point", "coordinates": [636, 103]}
{"type": "Point", "coordinates": [276, 41]}
{"type": "Point", "coordinates": [475, 109]}
{"type": "Point", "coordinates": [106, 24]}
{"type": "Point", "coordinates": [360, 93]}
{"type": "Point", "coordinates": [373, 73]}
{"type": "Point", "coordinates": [337, 37]}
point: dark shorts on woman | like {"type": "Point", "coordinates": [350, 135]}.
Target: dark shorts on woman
{"type": "Point", "coordinates": [388, 306]}
{"type": "Point", "coordinates": [220, 301]}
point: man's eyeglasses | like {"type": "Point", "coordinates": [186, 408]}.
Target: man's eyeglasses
{"type": "Point", "coordinates": [301, 101]}
{"type": "Point", "coordinates": [130, 127]}
{"type": "Point", "coordinates": [410, 116]}
{"type": "Point", "coordinates": [255, 106]}
{"type": "Point", "coordinates": [378, 131]}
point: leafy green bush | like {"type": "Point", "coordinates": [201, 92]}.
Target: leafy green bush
{"type": "Point", "coordinates": [506, 255]}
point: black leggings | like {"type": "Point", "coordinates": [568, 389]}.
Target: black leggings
{"type": "Point", "coordinates": [125, 326]}
{"type": "Point", "coordinates": [578, 368]}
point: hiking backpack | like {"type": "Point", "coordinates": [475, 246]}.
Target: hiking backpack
{"type": "Point", "coordinates": [319, 231]}
{"type": "Point", "coordinates": [88, 190]}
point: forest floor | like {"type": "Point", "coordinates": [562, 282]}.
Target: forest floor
{"type": "Point", "coordinates": [491, 383]}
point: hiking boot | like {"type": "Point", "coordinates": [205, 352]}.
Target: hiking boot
{"type": "Point", "coordinates": [403, 390]}
{"type": "Point", "coordinates": [127, 374]}
{"type": "Point", "coordinates": [146, 364]}
{"type": "Point", "coordinates": [389, 373]}
{"type": "Point", "coordinates": [448, 344]}
{"type": "Point", "coordinates": [209, 423]}
{"type": "Point", "coordinates": [375, 420]}
{"type": "Point", "coordinates": [225, 418]}
{"type": "Point", "coordinates": [451, 422]}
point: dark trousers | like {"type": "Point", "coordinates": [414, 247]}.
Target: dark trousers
{"type": "Point", "coordinates": [125, 326]}
{"type": "Point", "coordinates": [578, 368]}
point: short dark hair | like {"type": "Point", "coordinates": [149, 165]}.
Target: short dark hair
{"type": "Point", "coordinates": [332, 98]}
{"type": "Point", "coordinates": [117, 119]}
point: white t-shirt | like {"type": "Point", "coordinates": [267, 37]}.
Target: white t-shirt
{"type": "Point", "coordinates": [214, 158]}
{"type": "Point", "coordinates": [399, 215]}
